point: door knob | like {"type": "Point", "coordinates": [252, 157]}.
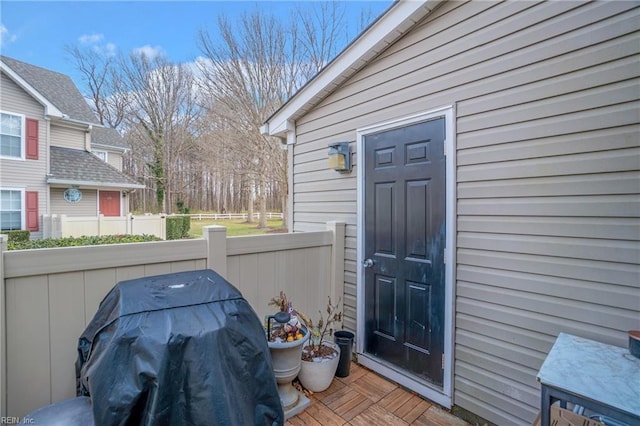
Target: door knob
{"type": "Point", "coordinates": [368, 263]}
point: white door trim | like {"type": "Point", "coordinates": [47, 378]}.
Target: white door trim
{"type": "Point", "coordinates": [442, 396]}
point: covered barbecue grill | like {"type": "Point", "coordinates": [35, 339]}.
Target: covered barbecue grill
{"type": "Point", "coordinates": [181, 348]}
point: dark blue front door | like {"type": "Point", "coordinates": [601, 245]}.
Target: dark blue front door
{"type": "Point", "coordinates": [404, 209]}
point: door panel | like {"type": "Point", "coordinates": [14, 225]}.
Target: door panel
{"type": "Point", "coordinates": [417, 225]}
{"type": "Point", "coordinates": [418, 314]}
{"type": "Point", "coordinates": [385, 306]}
{"type": "Point", "coordinates": [404, 219]}
{"type": "Point", "coordinates": [384, 202]}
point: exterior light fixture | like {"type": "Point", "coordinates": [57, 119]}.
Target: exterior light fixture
{"type": "Point", "coordinates": [340, 157]}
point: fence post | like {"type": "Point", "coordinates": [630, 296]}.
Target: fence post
{"type": "Point", "coordinates": [63, 226]}
{"type": "Point", "coordinates": [337, 261]}
{"type": "Point", "coordinates": [129, 224]}
{"type": "Point", "coordinates": [216, 237]}
{"type": "Point", "coordinates": [100, 219]}
{"type": "Point", "coordinates": [46, 226]}
{"type": "Point", "coordinates": [3, 330]}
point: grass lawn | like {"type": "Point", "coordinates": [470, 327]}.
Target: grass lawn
{"type": "Point", "coordinates": [235, 227]}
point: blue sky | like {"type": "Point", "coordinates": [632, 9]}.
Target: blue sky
{"type": "Point", "coordinates": [37, 32]}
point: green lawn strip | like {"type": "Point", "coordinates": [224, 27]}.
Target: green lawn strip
{"type": "Point", "coordinates": [235, 227]}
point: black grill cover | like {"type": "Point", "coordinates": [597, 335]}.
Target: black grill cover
{"type": "Point", "coordinates": [177, 349]}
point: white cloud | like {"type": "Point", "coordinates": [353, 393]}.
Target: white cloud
{"type": "Point", "coordinates": [96, 42]}
{"type": "Point", "coordinates": [196, 66]}
{"type": "Point", "coordinates": [149, 51]}
{"type": "Point", "coordinates": [90, 38]}
{"type": "Point", "coordinates": [110, 49]}
{"type": "Point", "coordinates": [107, 50]}
{"type": "Point", "coordinates": [5, 36]}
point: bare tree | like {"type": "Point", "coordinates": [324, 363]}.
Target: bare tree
{"type": "Point", "coordinates": [220, 160]}
{"type": "Point", "coordinates": [162, 109]}
{"type": "Point", "coordinates": [260, 63]}
{"type": "Point", "coordinates": [102, 79]}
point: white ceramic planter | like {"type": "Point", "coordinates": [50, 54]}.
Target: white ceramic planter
{"type": "Point", "coordinates": [317, 376]}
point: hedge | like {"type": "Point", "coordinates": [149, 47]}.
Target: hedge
{"type": "Point", "coordinates": [178, 227]}
{"type": "Point", "coordinates": [80, 241]}
{"type": "Point", "coordinates": [17, 236]}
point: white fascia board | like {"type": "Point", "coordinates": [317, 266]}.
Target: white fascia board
{"type": "Point", "coordinates": [72, 123]}
{"type": "Point", "coordinates": [381, 34]}
{"type": "Point", "coordinates": [91, 184]}
{"type": "Point", "coordinates": [109, 147]}
{"type": "Point", "coordinates": [49, 109]}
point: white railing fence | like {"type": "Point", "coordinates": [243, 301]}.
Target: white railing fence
{"type": "Point", "coordinates": [230, 216]}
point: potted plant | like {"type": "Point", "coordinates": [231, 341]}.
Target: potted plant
{"type": "Point", "coordinates": [285, 340]}
{"type": "Point", "coordinates": [320, 356]}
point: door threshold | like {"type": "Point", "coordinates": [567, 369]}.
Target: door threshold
{"type": "Point", "coordinates": [406, 379]}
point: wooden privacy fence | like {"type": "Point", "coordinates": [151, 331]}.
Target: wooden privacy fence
{"type": "Point", "coordinates": [48, 296]}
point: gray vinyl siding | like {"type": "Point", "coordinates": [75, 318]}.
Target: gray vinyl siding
{"type": "Point", "coordinates": [25, 174]}
{"type": "Point", "coordinates": [546, 100]}
{"type": "Point", "coordinates": [67, 137]}
{"type": "Point", "coordinates": [115, 159]}
{"type": "Point", "coordinates": [87, 206]}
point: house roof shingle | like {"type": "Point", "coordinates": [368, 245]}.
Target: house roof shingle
{"type": "Point", "coordinates": [77, 167]}
{"type": "Point", "coordinates": [107, 136]}
{"type": "Point", "coordinates": [57, 88]}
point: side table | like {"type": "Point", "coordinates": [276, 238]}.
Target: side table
{"type": "Point", "coordinates": [597, 376]}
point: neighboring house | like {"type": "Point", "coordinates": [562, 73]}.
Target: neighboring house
{"type": "Point", "coordinates": [494, 199]}
{"type": "Point", "coordinates": [55, 157]}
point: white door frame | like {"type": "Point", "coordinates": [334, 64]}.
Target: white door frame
{"type": "Point", "coordinates": [442, 396]}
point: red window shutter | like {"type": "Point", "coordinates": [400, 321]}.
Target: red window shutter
{"type": "Point", "coordinates": [32, 210]}
{"type": "Point", "coordinates": [32, 139]}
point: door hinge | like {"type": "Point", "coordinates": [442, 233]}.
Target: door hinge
{"type": "Point", "coordinates": [444, 255]}
{"type": "Point", "coordinates": [444, 147]}
{"type": "Point", "coordinates": [443, 361]}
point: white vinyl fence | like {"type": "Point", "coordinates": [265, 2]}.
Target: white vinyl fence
{"type": "Point", "coordinates": [59, 225]}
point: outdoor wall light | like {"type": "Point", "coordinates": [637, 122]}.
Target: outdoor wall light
{"type": "Point", "coordinates": [340, 157]}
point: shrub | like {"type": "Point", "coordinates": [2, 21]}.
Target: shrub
{"type": "Point", "coordinates": [186, 226]}
{"type": "Point", "coordinates": [178, 227]}
{"type": "Point", "coordinates": [174, 224]}
{"type": "Point", "coordinates": [17, 236]}
{"type": "Point", "coordinates": [80, 241]}
{"type": "Point", "coordinates": [182, 208]}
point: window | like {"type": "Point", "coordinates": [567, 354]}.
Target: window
{"type": "Point", "coordinates": [18, 137]}
{"type": "Point", "coordinates": [12, 204]}
{"type": "Point", "coordinates": [10, 209]}
{"type": "Point", "coordinates": [11, 135]}
{"type": "Point", "coordinates": [101, 155]}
